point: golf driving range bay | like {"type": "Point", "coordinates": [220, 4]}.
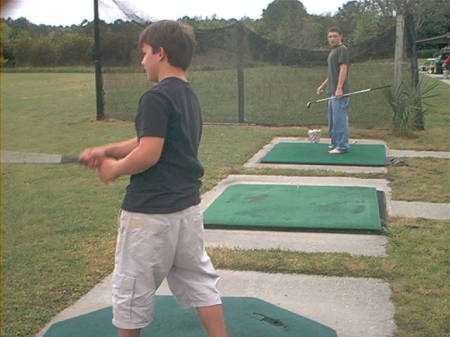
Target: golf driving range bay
{"type": "Point", "coordinates": [327, 247]}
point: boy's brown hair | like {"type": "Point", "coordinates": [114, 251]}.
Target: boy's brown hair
{"type": "Point", "coordinates": [335, 30]}
{"type": "Point", "coordinates": [177, 39]}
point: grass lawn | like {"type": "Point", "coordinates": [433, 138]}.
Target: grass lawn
{"type": "Point", "coordinates": [59, 223]}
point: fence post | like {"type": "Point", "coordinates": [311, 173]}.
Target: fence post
{"type": "Point", "coordinates": [419, 120]}
{"type": "Point", "coordinates": [399, 51]}
{"type": "Point", "coordinates": [240, 71]}
{"type": "Point", "coordinates": [98, 66]}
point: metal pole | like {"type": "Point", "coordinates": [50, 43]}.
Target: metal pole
{"type": "Point", "coordinates": [98, 65]}
{"type": "Point", "coordinates": [240, 72]}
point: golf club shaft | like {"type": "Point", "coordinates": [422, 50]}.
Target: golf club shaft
{"type": "Point", "coordinates": [352, 93]}
{"type": "Point", "coordinates": [349, 94]}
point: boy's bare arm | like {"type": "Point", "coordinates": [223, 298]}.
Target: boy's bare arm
{"type": "Point", "coordinates": [92, 157]}
{"type": "Point", "coordinates": [121, 149]}
{"type": "Point", "coordinates": [142, 157]}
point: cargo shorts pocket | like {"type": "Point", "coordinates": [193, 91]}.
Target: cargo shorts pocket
{"type": "Point", "coordinates": [123, 288]}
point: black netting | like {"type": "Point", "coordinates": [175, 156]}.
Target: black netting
{"type": "Point", "coordinates": [278, 80]}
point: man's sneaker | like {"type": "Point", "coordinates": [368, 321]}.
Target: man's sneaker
{"type": "Point", "coordinates": [336, 151]}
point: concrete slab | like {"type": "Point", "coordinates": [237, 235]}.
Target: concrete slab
{"type": "Point", "coordinates": [255, 161]}
{"type": "Point", "coordinates": [426, 210]}
{"type": "Point", "coordinates": [418, 154]}
{"type": "Point", "coordinates": [354, 244]}
{"type": "Point", "coordinates": [354, 307]}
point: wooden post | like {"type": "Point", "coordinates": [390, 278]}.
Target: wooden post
{"type": "Point", "coordinates": [419, 118]}
{"type": "Point", "coordinates": [98, 66]}
{"type": "Point", "coordinates": [240, 72]}
{"type": "Point", "coordinates": [399, 51]}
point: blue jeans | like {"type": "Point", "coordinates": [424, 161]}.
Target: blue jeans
{"type": "Point", "coordinates": [338, 123]}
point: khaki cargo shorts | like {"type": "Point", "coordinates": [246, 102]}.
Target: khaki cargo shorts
{"type": "Point", "coordinates": [151, 247]}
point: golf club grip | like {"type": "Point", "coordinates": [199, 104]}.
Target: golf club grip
{"type": "Point", "coordinates": [69, 159]}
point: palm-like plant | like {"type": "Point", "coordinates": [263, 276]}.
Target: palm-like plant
{"type": "Point", "coordinates": [409, 101]}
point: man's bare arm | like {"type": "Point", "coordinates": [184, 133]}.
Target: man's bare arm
{"type": "Point", "coordinates": [322, 87]}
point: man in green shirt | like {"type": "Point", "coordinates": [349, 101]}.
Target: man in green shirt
{"type": "Point", "coordinates": [337, 83]}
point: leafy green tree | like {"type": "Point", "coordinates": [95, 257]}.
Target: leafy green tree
{"type": "Point", "coordinates": [42, 53]}
{"type": "Point", "coordinates": [347, 17]}
{"type": "Point", "coordinates": [366, 27]}
{"type": "Point", "coordinates": [73, 49]}
{"type": "Point", "coordinates": [21, 48]}
{"type": "Point", "coordinates": [313, 33]}
{"type": "Point", "coordinates": [117, 48]}
{"type": "Point", "coordinates": [6, 45]}
{"type": "Point", "coordinates": [431, 17]}
{"type": "Point", "coordinates": [283, 21]}
{"type": "Point", "coordinates": [280, 11]}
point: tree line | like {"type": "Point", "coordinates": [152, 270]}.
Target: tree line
{"type": "Point", "coordinates": [283, 21]}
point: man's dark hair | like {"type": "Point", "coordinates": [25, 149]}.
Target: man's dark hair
{"type": "Point", "coordinates": [177, 39]}
{"type": "Point", "coordinates": [335, 30]}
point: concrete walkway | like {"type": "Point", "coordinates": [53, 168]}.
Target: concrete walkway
{"type": "Point", "coordinates": [354, 307]}
{"type": "Point", "coordinates": [255, 161]}
{"type": "Point", "coordinates": [415, 209]}
{"type": "Point", "coordinates": [354, 244]}
{"type": "Point", "coordinates": [418, 154]}
{"type": "Point", "coordinates": [436, 77]}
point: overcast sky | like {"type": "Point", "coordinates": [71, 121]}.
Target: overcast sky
{"type": "Point", "coordinates": [67, 12]}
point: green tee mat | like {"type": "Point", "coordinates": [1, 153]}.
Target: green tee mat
{"type": "Point", "coordinates": [317, 153]}
{"type": "Point", "coordinates": [295, 208]}
{"type": "Point", "coordinates": [245, 317]}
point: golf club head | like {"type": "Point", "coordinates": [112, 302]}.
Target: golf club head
{"type": "Point", "coordinates": [308, 105]}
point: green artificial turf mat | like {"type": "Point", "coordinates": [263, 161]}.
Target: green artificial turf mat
{"type": "Point", "coordinates": [295, 208]}
{"type": "Point", "coordinates": [245, 317]}
{"type": "Point", "coordinates": [317, 153]}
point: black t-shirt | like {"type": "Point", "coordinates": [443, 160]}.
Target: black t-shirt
{"type": "Point", "coordinates": [169, 110]}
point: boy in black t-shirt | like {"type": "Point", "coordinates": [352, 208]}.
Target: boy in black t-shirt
{"type": "Point", "coordinates": [161, 227]}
